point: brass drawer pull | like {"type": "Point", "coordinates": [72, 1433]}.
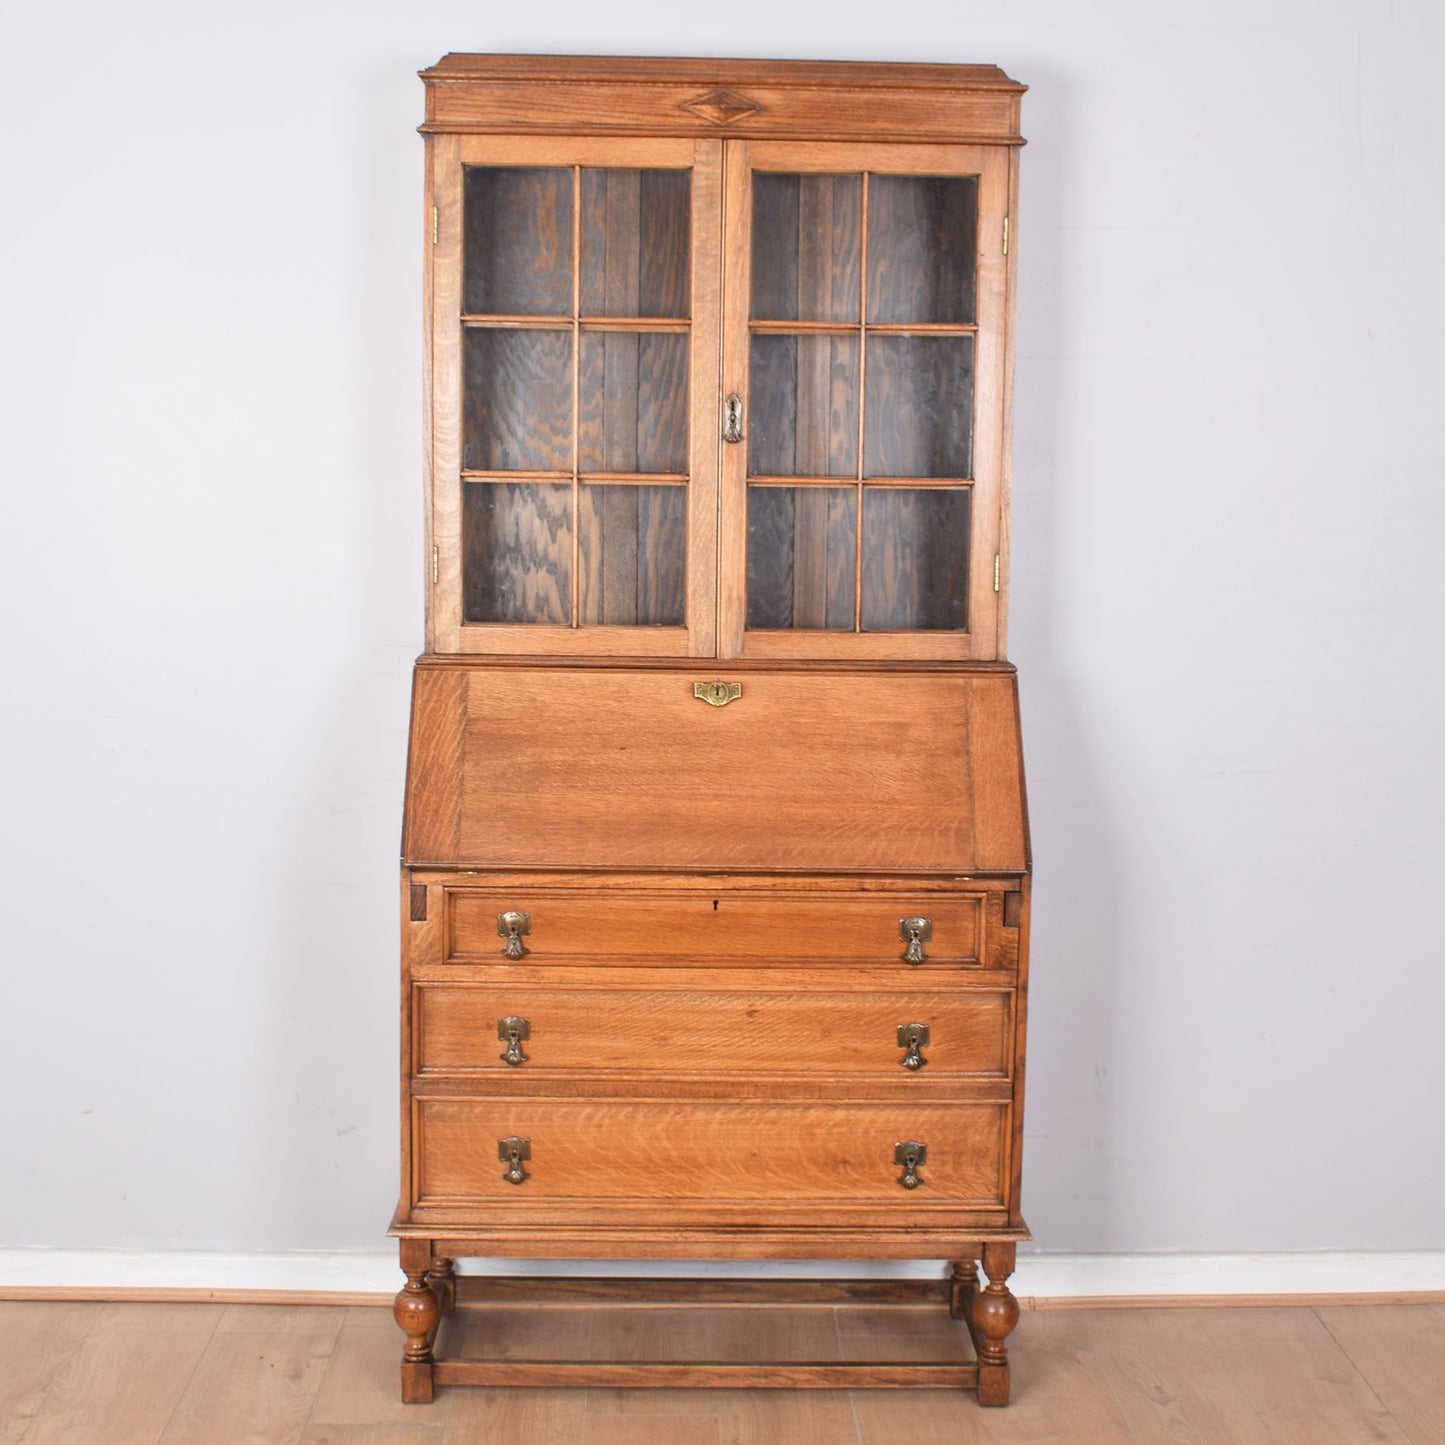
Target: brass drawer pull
{"type": "Point", "coordinates": [719, 694]}
{"type": "Point", "coordinates": [913, 1037]}
{"type": "Point", "coordinates": [915, 932]}
{"type": "Point", "coordinates": [513, 927]}
{"type": "Point", "coordinates": [511, 1151]}
{"type": "Point", "coordinates": [912, 1156]}
{"type": "Point", "coordinates": [513, 1030]}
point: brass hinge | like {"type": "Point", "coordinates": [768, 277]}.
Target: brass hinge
{"type": "Point", "coordinates": [995, 571]}
{"type": "Point", "coordinates": [436, 228]}
{"type": "Point", "coordinates": [1005, 235]}
{"type": "Point", "coordinates": [436, 569]}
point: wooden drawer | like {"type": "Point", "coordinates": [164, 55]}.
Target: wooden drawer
{"type": "Point", "coordinates": [654, 1027]}
{"type": "Point", "coordinates": [679, 1152]}
{"type": "Point", "coordinates": [762, 927]}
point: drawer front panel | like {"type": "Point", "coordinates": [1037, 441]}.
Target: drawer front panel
{"type": "Point", "coordinates": [670, 1030]}
{"type": "Point", "coordinates": [706, 1152]}
{"type": "Point", "coordinates": [762, 927]}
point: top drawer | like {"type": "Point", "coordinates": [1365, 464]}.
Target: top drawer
{"type": "Point", "coordinates": [596, 926]}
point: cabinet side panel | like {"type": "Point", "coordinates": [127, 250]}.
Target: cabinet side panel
{"type": "Point", "coordinates": [434, 765]}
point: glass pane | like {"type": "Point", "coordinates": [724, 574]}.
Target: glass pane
{"type": "Point", "coordinates": [803, 406]}
{"type": "Point", "coordinates": [805, 247]}
{"type": "Point", "coordinates": [517, 229]}
{"type": "Point", "coordinates": [517, 400]}
{"type": "Point", "coordinates": [517, 552]}
{"type": "Point", "coordinates": [633, 551]}
{"type": "Point", "coordinates": [915, 558]}
{"type": "Point", "coordinates": [632, 402]}
{"type": "Point", "coordinates": [635, 243]}
{"type": "Point", "coordinates": [922, 245]}
{"type": "Point", "coordinates": [802, 550]}
{"type": "Point", "coordinates": [919, 419]}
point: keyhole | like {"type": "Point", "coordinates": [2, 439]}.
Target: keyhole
{"type": "Point", "coordinates": [714, 905]}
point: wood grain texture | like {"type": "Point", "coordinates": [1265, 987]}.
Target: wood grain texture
{"type": "Point", "coordinates": [706, 1151]}
{"type": "Point", "coordinates": [130, 1374]}
{"type": "Point", "coordinates": [517, 233]}
{"type": "Point", "coordinates": [862, 772]}
{"type": "Point", "coordinates": [1400, 1351]}
{"type": "Point", "coordinates": [518, 548]}
{"type": "Point", "coordinates": [756, 926]}
{"type": "Point", "coordinates": [665, 1032]}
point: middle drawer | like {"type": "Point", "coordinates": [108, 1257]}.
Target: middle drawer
{"type": "Point", "coordinates": [650, 1027]}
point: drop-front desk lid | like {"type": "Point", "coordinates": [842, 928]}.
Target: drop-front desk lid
{"type": "Point", "coordinates": [884, 769]}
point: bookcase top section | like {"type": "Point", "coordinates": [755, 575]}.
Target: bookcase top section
{"type": "Point", "coordinates": [615, 95]}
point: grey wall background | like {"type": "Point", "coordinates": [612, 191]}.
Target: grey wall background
{"type": "Point", "coordinates": [1227, 600]}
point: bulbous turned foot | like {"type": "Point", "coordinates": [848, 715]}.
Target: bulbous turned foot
{"type": "Point", "coordinates": [995, 1313]}
{"type": "Point", "coordinates": [418, 1313]}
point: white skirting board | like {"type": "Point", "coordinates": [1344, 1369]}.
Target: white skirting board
{"type": "Point", "coordinates": [33, 1273]}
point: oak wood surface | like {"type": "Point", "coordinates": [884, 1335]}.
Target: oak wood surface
{"type": "Point", "coordinates": [861, 771]}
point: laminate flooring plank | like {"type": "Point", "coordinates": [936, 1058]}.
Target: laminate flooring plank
{"type": "Point", "coordinates": [904, 1335]}
{"type": "Point", "coordinates": [375, 1435]}
{"type": "Point", "coordinates": [799, 1417]}
{"type": "Point", "coordinates": [1302, 1385]}
{"type": "Point", "coordinates": [1400, 1350]}
{"type": "Point", "coordinates": [1170, 1380]}
{"type": "Point", "coordinates": [296, 1319]}
{"type": "Point", "coordinates": [924, 1417]}
{"type": "Point", "coordinates": [524, 1416]}
{"type": "Point", "coordinates": [362, 1381]}
{"type": "Point", "coordinates": [653, 1430]}
{"type": "Point", "coordinates": [789, 1334]}
{"type": "Point", "coordinates": [123, 1384]}
{"type": "Point", "coordinates": [604, 1400]}
{"type": "Point", "coordinates": [256, 1387]}
{"type": "Point", "coordinates": [512, 1332]}
{"type": "Point", "coordinates": [36, 1341]}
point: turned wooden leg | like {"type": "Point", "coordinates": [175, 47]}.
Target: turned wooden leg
{"type": "Point", "coordinates": [995, 1313]}
{"type": "Point", "coordinates": [443, 1280]}
{"type": "Point", "coordinates": [418, 1313]}
{"type": "Point", "coordinates": [962, 1286]}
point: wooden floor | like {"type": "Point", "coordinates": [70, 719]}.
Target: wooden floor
{"type": "Point", "coordinates": [219, 1374]}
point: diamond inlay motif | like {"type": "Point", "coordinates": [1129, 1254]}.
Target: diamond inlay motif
{"type": "Point", "coordinates": [721, 106]}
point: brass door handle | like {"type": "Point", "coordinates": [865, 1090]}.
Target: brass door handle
{"type": "Point", "coordinates": [912, 1038]}
{"type": "Point", "coordinates": [512, 1030]}
{"type": "Point", "coordinates": [915, 932]}
{"type": "Point", "coordinates": [513, 926]}
{"type": "Point", "coordinates": [512, 1151]}
{"type": "Point", "coordinates": [911, 1155]}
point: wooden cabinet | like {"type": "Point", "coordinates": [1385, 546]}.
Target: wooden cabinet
{"type": "Point", "coordinates": [715, 866]}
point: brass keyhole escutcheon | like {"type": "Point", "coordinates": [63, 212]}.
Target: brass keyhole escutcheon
{"type": "Point", "coordinates": [512, 1030]}
{"type": "Point", "coordinates": [915, 932]}
{"type": "Point", "coordinates": [512, 926]}
{"type": "Point", "coordinates": [718, 694]}
{"type": "Point", "coordinates": [912, 1156]}
{"type": "Point", "coordinates": [912, 1038]}
{"type": "Point", "coordinates": [512, 1151]}
{"type": "Point", "coordinates": [733, 418]}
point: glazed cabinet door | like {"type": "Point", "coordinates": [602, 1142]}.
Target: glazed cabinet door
{"type": "Point", "coordinates": [573, 381]}
{"type": "Point", "coordinates": [864, 362]}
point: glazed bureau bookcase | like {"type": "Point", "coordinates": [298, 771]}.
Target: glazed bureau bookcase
{"type": "Point", "coordinates": [715, 870]}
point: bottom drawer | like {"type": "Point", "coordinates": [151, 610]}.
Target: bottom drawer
{"type": "Point", "coordinates": [715, 1152]}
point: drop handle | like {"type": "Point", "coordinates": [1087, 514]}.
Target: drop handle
{"type": "Point", "coordinates": [512, 1030]}
{"type": "Point", "coordinates": [512, 1151]}
{"type": "Point", "coordinates": [733, 418]}
{"type": "Point", "coordinates": [911, 1155]}
{"type": "Point", "coordinates": [513, 927]}
{"type": "Point", "coordinates": [912, 1038]}
{"type": "Point", "coordinates": [915, 932]}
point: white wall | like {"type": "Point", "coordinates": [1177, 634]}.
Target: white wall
{"type": "Point", "coordinates": [1226, 601]}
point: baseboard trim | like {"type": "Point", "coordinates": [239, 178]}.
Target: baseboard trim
{"type": "Point", "coordinates": [1043, 1281]}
